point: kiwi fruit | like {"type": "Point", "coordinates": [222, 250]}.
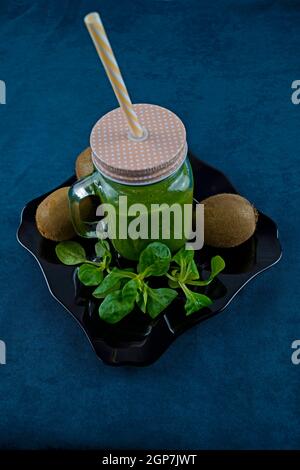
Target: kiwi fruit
{"type": "Point", "coordinates": [84, 164]}
{"type": "Point", "coordinates": [53, 216]}
{"type": "Point", "coordinates": [229, 220]}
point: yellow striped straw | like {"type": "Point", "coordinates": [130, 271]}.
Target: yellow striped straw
{"type": "Point", "coordinates": [102, 45]}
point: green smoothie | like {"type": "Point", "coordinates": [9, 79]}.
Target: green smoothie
{"type": "Point", "coordinates": [175, 189]}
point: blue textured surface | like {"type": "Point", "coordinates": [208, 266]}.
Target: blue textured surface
{"type": "Point", "coordinates": [226, 68]}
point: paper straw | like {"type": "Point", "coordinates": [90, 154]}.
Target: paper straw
{"type": "Point", "coordinates": [102, 45]}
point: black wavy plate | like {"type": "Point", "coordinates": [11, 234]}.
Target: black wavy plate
{"type": "Point", "coordinates": [137, 340]}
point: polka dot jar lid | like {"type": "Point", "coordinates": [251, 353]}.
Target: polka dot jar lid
{"type": "Point", "coordinates": [158, 154]}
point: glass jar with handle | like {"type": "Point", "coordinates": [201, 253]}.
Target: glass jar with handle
{"type": "Point", "coordinates": [152, 171]}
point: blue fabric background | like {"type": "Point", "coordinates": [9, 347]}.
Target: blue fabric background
{"type": "Point", "coordinates": [226, 68]}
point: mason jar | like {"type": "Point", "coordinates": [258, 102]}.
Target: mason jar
{"type": "Point", "coordinates": [147, 183]}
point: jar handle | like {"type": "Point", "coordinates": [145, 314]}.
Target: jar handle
{"type": "Point", "coordinates": [77, 192]}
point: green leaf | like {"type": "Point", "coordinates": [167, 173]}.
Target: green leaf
{"type": "Point", "coordinates": [70, 253]}
{"type": "Point", "coordinates": [159, 299]}
{"type": "Point", "coordinates": [130, 290]}
{"type": "Point", "coordinates": [113, 309]}
{"type": "Point", "coordinates": [110, 283]}
{"type": "Point", "coordinates": [192, 271]}
{"type": "Point", "coordinates": [188, 268]}
{"type": "Point", "coordinates": [118, 304]}
{"type": "Point", "coordinates": [183, 257]}
{"type": "Point", "coordinates": [102, 248]}
{"type": "Point", "coordinates": [195, 301]}
{"type": "Point", "coordinates": [142, 298]}
{"type": "Point", "coordinates": [154, 260]}
{"type": "Point", "coordinates": [90, 275]}
{"type": "Point", "coordinates": [173, 284]}
{"type": "Point", "coordinates": [125, 272]}
{"type": "Point", "coordinates": [217, 265]}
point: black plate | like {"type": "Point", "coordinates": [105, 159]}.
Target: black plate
{"type": "Point", "coordinates": [137, 340]}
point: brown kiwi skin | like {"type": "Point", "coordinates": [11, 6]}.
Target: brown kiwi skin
{"type": "Point", "coordinates": [229, 220]}
{"type": "Point", "coordinates": [84, 164]}
{"type": "Point", "coordinates": [53, 216]}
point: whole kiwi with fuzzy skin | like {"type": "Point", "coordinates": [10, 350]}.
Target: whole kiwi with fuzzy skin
{"type": "Point", "coordinates": [53, 216]}
{"type": "Point", "coordinates": [229, 220]}
{"type": "Point", "coordinates": [84, 165]}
